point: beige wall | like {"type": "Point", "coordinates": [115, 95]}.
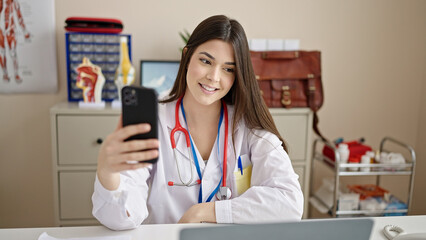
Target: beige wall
{"type": "Point", "coordinates": [374, 61]}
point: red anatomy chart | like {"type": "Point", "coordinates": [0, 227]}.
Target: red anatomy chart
{"type": "Point", "coordinates": [27, 37]}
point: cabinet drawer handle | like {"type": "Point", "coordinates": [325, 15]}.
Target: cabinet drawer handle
{"type": "Point", "coordinates": [99, 141]}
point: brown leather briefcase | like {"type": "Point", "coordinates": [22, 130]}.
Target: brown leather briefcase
{"type": "Point", "coordinates": [290, 79]}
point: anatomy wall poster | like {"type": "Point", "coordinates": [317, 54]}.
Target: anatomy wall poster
{"type": "Point", "coordinates": [27, 46]}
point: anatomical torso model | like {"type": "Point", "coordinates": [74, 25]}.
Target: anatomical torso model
{"type": "Point", "coordinates": [91, 80]}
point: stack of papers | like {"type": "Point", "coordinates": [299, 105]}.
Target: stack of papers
{"type": "Point", "coordinates": [45, 236]}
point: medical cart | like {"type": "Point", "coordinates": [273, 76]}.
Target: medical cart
{"type": "Point", "coordinates": [377, 170]}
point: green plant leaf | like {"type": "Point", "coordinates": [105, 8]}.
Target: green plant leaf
{"type": "Point", "coordinates": [185, 35]}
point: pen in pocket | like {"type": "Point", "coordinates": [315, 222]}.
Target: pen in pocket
{"type": "Point", "coordinates": [240, 165]}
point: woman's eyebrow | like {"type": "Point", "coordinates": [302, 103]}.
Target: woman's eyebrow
{"type": "Point", "coordinates": [211, 57]}
{"type": "Point", "coordinates": [208, 55]}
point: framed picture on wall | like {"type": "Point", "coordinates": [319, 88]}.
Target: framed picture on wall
{"type": "Point", "coordinates": [159, 74]}
{"type": "Point", "coordinates": [28, 35]}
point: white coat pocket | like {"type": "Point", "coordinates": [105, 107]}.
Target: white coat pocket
{"type": "Point", "coordinates": [243, 174]}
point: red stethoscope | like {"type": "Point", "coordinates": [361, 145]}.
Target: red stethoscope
{"type": "Point", "coordinates": [222, 192]}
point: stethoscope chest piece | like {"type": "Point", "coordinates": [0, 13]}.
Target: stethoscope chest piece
{"type": "Point", "coordinates": [224, 193]}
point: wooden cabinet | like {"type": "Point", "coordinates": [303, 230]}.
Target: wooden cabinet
{"type": "Point", "coordinates": [77, 135]}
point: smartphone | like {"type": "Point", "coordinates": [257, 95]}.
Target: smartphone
{"type": "Point", "coordinates": [140, 105]}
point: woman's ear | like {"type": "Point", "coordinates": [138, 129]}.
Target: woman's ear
{"type": "Point", "coordinates": [184, 50]}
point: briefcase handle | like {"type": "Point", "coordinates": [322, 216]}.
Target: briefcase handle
{"type": "Point", "coordinates": [280, 54]}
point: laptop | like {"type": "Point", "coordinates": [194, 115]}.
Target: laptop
{"type": "Point", "coordinates": [329, 229]}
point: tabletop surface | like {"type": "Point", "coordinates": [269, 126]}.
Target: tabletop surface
{"type": "Point", "coordinates": [411, 224]}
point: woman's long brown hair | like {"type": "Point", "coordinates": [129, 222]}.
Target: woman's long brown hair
{"type": "Point", "coordinates": [245, 93]}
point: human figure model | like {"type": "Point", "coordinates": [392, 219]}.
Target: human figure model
{"type": "Point", "coordinates": [125, 73]}
{"type": "Point", "coordinates": [8, 35]}
{"type": "Point", "coordinates": [91, 80]}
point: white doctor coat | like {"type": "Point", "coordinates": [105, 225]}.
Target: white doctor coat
{"type": "Point", "coordinates": [274, 193]}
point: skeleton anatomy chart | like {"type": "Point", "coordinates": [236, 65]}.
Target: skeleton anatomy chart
{"type": "Point", "coordinates": [27, 46]}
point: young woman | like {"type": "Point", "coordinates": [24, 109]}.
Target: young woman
{"type": "Point", "coordinates": [235, 170]}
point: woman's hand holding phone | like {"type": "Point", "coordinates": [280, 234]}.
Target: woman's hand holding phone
{"type": "Point", "coordinates": [116, 154]}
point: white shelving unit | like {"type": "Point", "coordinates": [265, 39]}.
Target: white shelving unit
{"type": "Point", "coordinates": [376, 169]}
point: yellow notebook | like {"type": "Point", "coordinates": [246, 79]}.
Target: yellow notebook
{"type": "Point", "coordinates": [243, 181]}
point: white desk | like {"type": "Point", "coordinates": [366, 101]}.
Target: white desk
{"type": "Point", "coordinates": [411, 224]}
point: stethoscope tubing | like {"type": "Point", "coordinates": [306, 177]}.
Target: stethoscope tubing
{"type": "Point", "coordinates": [189, 183]}
{"type": "Point", "coordinates": [178, 127]}
{"type": "Point", "coordinates": [225, 144]}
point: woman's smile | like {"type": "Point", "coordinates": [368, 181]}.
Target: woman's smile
{"type": "Point", "coordinates": [207, 89]}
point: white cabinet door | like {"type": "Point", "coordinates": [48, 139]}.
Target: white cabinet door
{"type": "Point", "coordinates": [75, 193]}
{"type": "Point", "coordinates": [78, 135]}
{"type": "Point", "coordinates": [294, 130]}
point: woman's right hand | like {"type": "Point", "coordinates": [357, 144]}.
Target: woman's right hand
{"type": "Point", "coordinates": [116, 155]}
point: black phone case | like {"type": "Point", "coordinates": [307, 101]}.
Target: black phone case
{"type": "Point", "coordinates": [140, 105]}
